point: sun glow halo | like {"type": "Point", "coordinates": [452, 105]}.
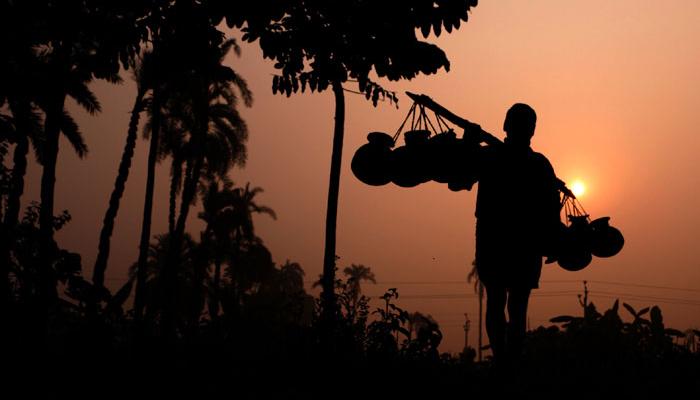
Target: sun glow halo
{"type": "Point", "coordinates": [578, 188]}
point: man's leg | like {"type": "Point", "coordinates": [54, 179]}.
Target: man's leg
{"type": "Point", "coordinates": [517, 321]}
{"type": "Point", "coordinates": [496, 319]}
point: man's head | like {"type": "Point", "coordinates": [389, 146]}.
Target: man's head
{"type": "Point", "coordinates": [520, 124]}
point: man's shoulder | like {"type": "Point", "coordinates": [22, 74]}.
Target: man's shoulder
{"type": "Point", "coordinates": [541, 161]}
{"type": "Point", "coordinates": [539, 157]}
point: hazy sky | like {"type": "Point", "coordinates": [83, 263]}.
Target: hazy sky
{"type": "Point", "coordinates": [617, 91]}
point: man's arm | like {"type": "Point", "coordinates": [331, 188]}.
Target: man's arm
{"type": "Point", "coordinates": [468, 126]}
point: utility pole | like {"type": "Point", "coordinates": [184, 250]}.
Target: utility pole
{"type": "Point", "coordinates": [467, 324]}
{"type": "Point", "coordinates": [584, 302]}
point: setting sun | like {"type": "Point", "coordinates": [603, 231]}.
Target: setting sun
{"type": "Point", "coordinates": [578, 188]}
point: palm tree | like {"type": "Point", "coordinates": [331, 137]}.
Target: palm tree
{"type": "Point", "coordinates": [191, 296]}
{"type": "Point", "coordinates": [291, 278]}
{"type": "Point", "coordinates": [20, 78]}
{"type": "Point", "coordinates": [143, 78]}
{"type": "Point", "coordinates": [228, 213]}
{"type": "Point", "coordinates": [216, 237]}
{"type": "Point", "coordinates": [27, 127]}
{"type": "Point", "coordinates": [152, 73]}
{"type": "Point", "coordinates": [478, 289]}
{"type": "Point", "coordinates": [23, 126]}
{"type": "Point", "coordinates": [26, 78]}
{"type": "Point", "coordinates": [164, 69]}
{"type": "Point", "coordinates": [417, 322]}
{"type": "Point", "coordinates": [216, 132]}
{"type": "Point", "coordinates": [71, 56]}
{"type": "Point", "coordinates": [356, 273]}
{"type": "Point", "coordinates": [244, 208]}
{"type": "Point", "coordinates": [73, 84]}
{"type": "Point", "coordinates": [221, 145]}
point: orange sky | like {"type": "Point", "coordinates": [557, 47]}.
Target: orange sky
{"type": "Point", "coordinates": [617, 92]}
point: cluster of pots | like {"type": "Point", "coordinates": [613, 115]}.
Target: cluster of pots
{"type": "Point", "coordinates": [442, 158]}
{"type": "Point", "coordinates": [577, 243]}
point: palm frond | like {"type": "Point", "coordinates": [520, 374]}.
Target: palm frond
{"type": "Point", "coordinates": [227, 46]}
{"type": "Point", "coordinates": [79, 91]}
{"type": "Point", "coordinates": [71, 131]}
{"type": "Point", "coordinates": [242, 86]}
{"type": "Point", "coordinates": [7, 128]}
{"type": "Point", "coordinates": [266, 210]}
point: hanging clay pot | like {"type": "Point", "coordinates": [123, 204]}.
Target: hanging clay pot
{"type": "Point", "coordinates": [574, 252]}
{"type": "Point", "coordinates": [553, 241]}
{"type": "Point", "coordinates": [409, 163]}
{"type": "Point", "coordinates": [372, 161]}
{"type": "Point", "coordinates": [606, 241]}
{"type": "Point", "coordinates": [443, 156]}
{"type": "Point", "coordinates": [466, 157]}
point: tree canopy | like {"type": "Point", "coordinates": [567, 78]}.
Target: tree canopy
{"type": "Point", "coordinates": [317, 42]}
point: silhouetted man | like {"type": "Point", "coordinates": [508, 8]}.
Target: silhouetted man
{"type": "Point", "coordinates": [517, 219]}
{"type": "Point", "coordinates": [517, 206]}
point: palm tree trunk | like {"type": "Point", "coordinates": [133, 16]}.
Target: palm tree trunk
{"type": "Point", "coordinates": [54, 114]}
{"type": "Point", "coordinates": [139, 300]}
{"type": "Point", "coordinates": [176, 177]}
{"type": "Point", "coordinates": [328, 295]}
{"type": "Point", "coordinates": [172, 265]}
{"type": "Point", "coordinates": [98, 273]}
{"type": "Point", "coordinates": [189, 190]}
{"type": "Point", "coordinates": [19, 170]}
{"type": "Point", "coordinates": [11, 217]}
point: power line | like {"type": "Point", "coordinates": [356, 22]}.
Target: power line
{"type": "Point", "coordinates": [649, 300]}
{"type": "Point", "coordinates": [604, 294]}
{"type": "Point", "coordinates": [456, 296]}
{"type": "Point", "coordinates": [646, 286]}
{"type": "Point", "coordinates": [648, 297]}
{"type": "Point", "coordinates": [571, 281]}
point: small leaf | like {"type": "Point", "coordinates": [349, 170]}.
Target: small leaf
{"type": "Point", "coordinates": [275, 84]}
{"type": "Point", "coordinates": [630, 309]}
{"type": "Point", "coordinates": [288, 86]}
{"type": "Point", "coordinates": [322, 85]}
{"type": "Point", "coordinates": [437, 26]}
{"type": "Point", "coordinates": [448, 27]}
{"type": "Point", "coordinates": [425, 29]}
{"type": "Point", "coordinates": [362, 84]}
